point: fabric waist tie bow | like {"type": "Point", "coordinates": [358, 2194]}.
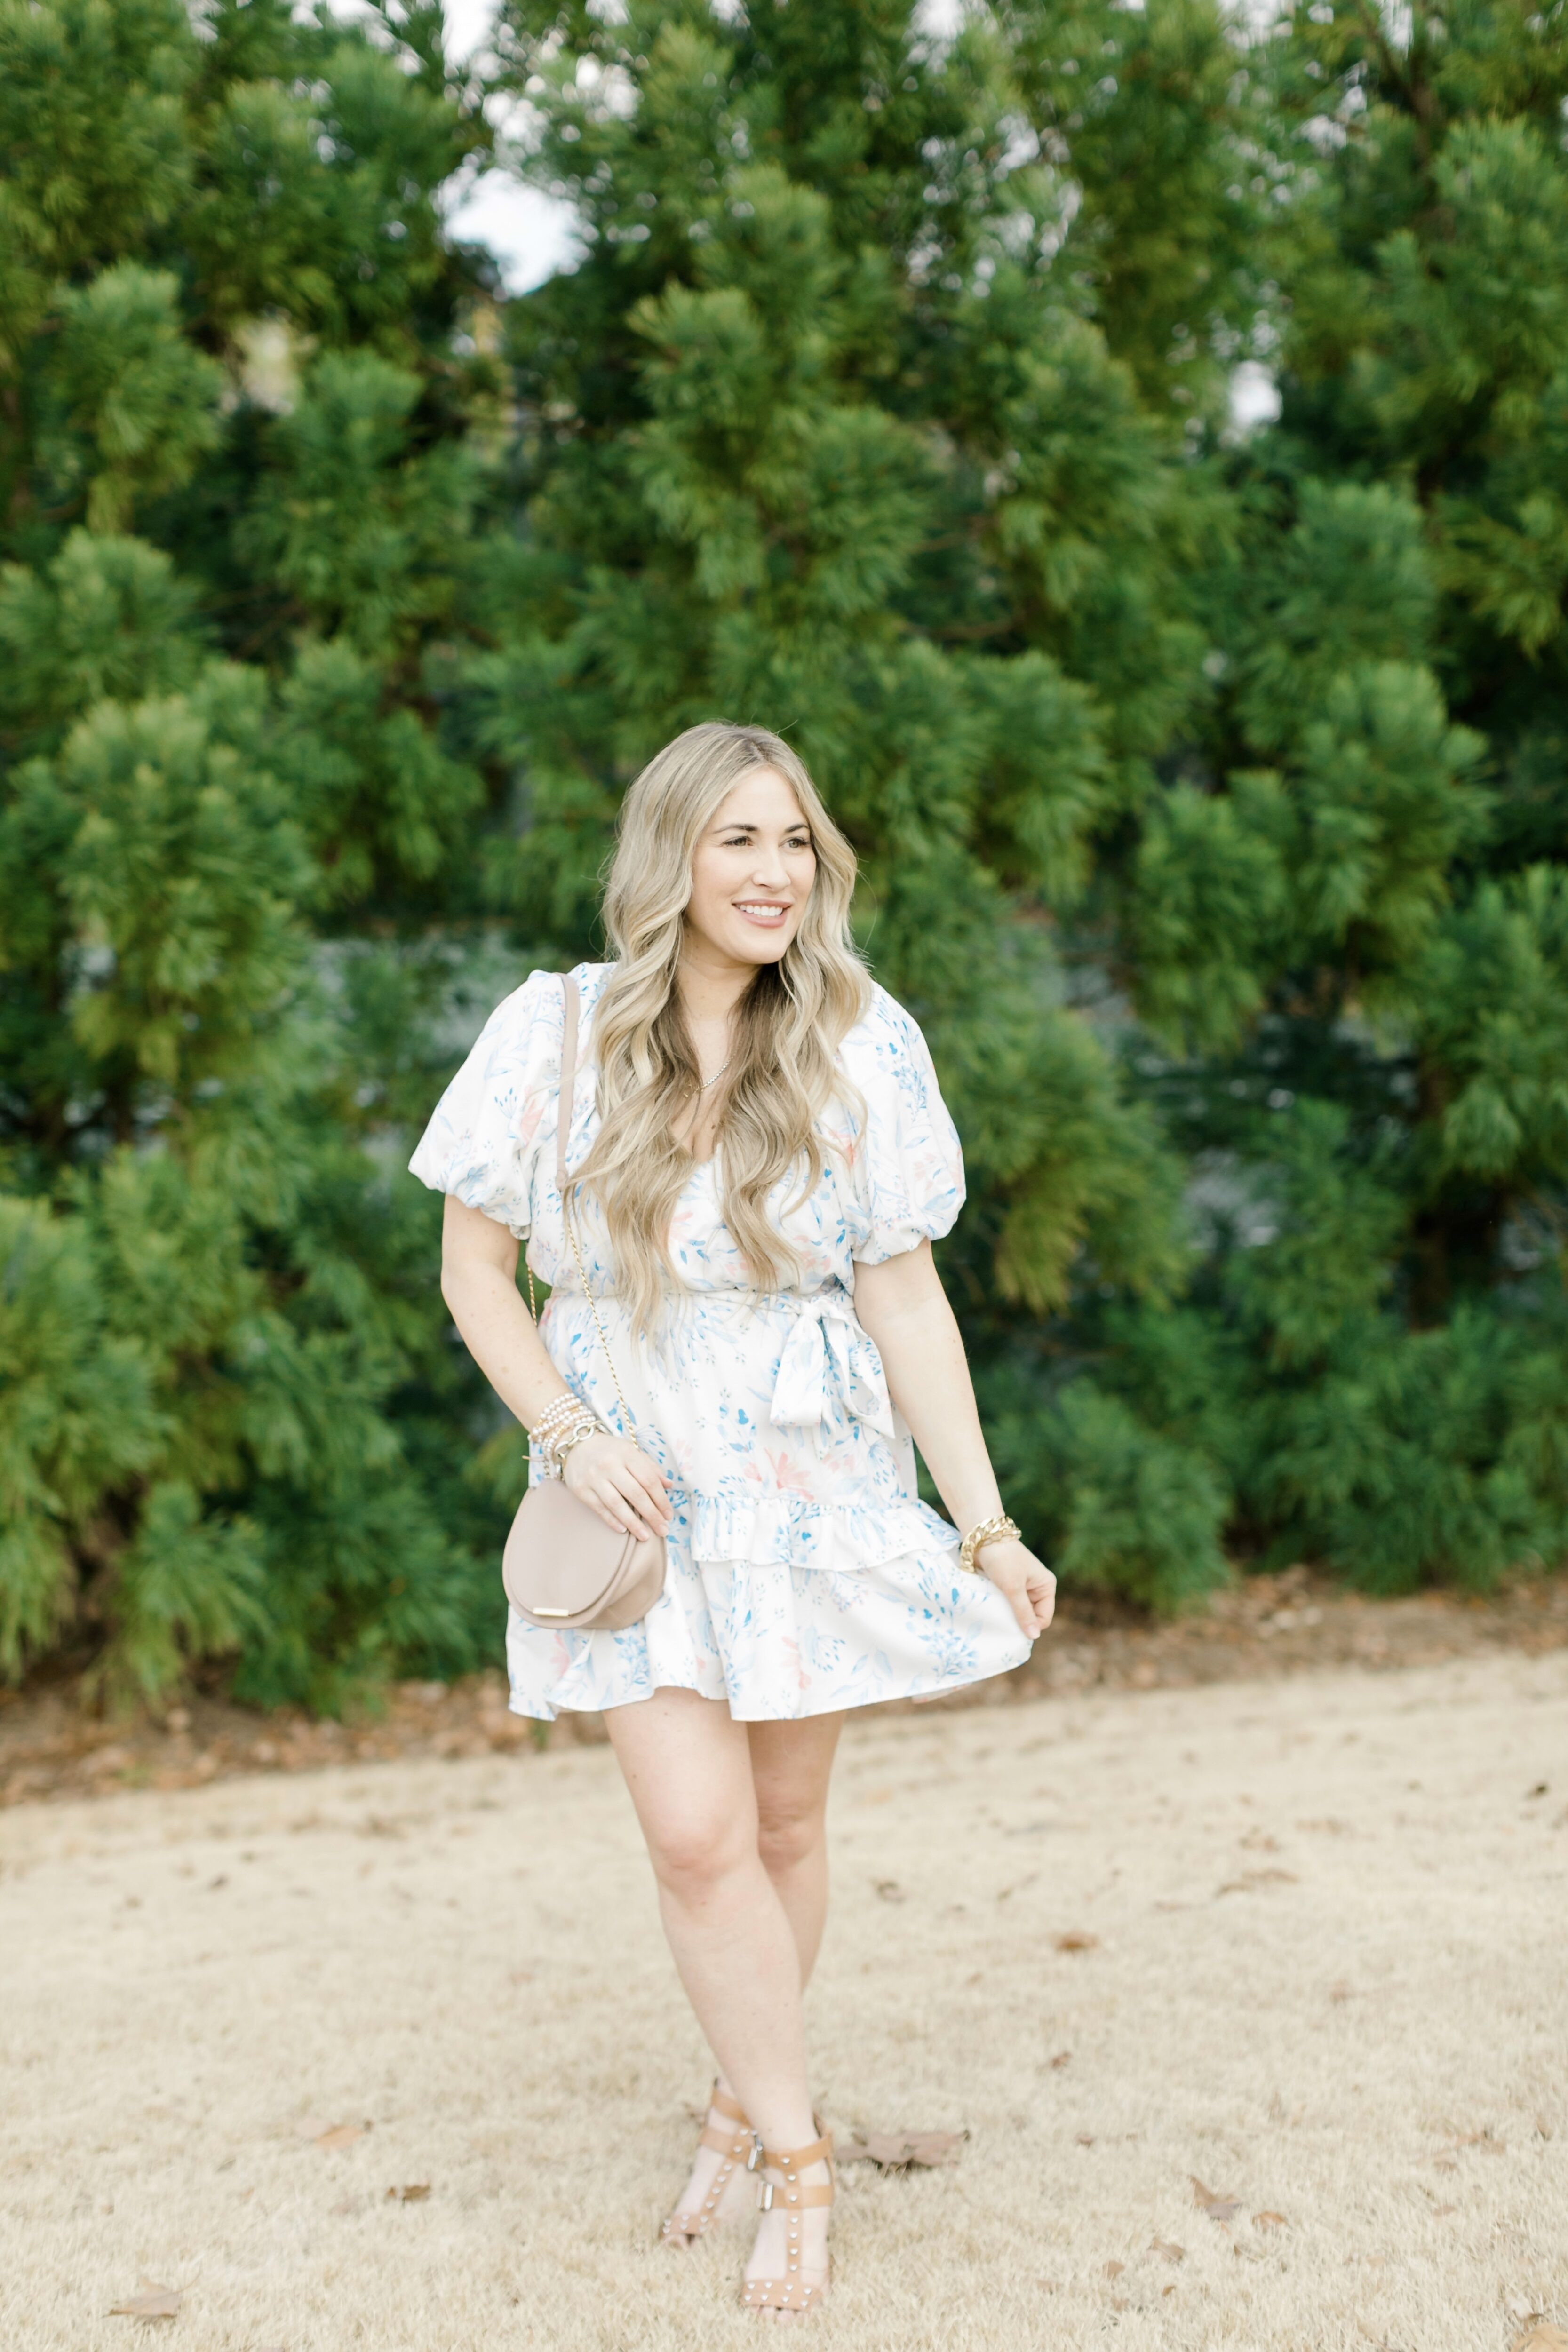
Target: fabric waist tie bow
{"type": "Point", "coordinates": [826, 1343]}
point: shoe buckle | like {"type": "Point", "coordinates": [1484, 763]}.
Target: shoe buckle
{"type": "Point", "coordinates": [755, 2157]}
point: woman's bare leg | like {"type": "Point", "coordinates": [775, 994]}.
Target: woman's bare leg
{"type": "Point", "coordinates": [687, 1767]}
{"type": "Point", "coordinates": [792, 1764]}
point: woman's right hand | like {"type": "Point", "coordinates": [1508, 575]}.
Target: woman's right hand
{"type": "Point", "coordinates": [618, 1479]}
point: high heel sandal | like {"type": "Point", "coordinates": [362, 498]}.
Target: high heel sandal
{"type": "Point", "coordinates": [738, 2146]}
{"type": "Point", "coordinates": [791, 2293]}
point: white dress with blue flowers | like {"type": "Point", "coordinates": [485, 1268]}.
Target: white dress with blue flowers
{"type": "Point", "coordinates": [804, 1574]}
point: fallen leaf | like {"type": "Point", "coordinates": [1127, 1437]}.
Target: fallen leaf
{"type": "Point", "coordinates": [1077, 1940]}
{"type": "Point", "coordinates": [889, 1889]}
{"type": "Point", "coordinates": [1114, 2269]}
{"type": "Point", "coordinates": [153, 2302]}
{"type": "Point", "coordinates": [900, 2151]}
{"type": "Point", "coordinates": [1218, 2209]}
{"type": "Point", "coordinates": [412, 2193]}
{"type": "Point", "coordinates": [339, 2136]}
{"type": "Point", "coordinates": [1063, 2055]}
{"type": "Point", "coordinates": [1173, 2253]}
{"type": "Point", "coordinates": [1168, 2290]}
{"type": "Point", "coordinates": [1270, 2221]}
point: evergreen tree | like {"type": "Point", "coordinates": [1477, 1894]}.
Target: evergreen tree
{"type": "Point", "coordinates": [237, 493]}
{"type": "Point", "coordinates": [1346, 907]}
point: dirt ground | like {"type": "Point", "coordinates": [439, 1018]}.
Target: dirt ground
{"type": "Point", "coordinates": [1250, 1996]}
{"type": "Point", "coordinates": [1264, 1626]}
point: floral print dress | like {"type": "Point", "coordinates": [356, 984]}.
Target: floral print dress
{"type": "Point", "coordinates": [805, 1575]}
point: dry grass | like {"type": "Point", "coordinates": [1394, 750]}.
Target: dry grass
{"type": "Point", "coordinates": [1326, 1978]}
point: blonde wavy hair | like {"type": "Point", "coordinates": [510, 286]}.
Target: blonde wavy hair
{"type": "Point", "coordinates": [791, 1021]}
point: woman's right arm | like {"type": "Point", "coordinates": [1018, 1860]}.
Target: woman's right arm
{"type": "Point", "coordinates": [478, 1283]}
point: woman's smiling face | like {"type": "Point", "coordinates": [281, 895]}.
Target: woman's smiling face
{"type": "Point", "coordinates": [751, 873]}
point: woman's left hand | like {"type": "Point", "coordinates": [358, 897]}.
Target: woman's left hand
{"type": "Point", "coordinates": [1027, 1583]}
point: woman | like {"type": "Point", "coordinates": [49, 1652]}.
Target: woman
{"type": "Point", "coordinates": [759, 1161]}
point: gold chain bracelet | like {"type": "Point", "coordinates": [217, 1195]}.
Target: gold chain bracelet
{"type": "Point", "coordinates": [589, 1426]}
{"type": "Point", "coordinates": [988, 1531]}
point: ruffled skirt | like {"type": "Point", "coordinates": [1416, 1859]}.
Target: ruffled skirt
{"type": "Point", "coordinates": [779, 1640]}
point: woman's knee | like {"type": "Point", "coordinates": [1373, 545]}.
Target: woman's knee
{"type": "Point", "coordinates": [788, 1834]}
{"type": "Point", "coordinates": [693, 1853]}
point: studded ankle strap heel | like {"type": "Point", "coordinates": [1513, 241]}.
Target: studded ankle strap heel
{"type": "Point", "coordinates": [792, 2293]}
{"type": "Point", "coordinates": [737, 2145]}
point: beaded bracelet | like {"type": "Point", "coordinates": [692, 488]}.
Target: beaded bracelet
{"type": "Point", "coordinates": [558, 1410]}
{"type": "Point", "coordinates": [555, 1415]}
{"type": "Point", "coordinates": [563, 1423]}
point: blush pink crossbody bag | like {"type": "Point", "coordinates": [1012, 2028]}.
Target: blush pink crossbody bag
{"type": "Point", "coordinates": [563, 1567]}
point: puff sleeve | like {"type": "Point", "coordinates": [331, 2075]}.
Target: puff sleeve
{"type": "Point", "coordinates": [908, 1163]}
{"type": "Point", "coordinates": [484, 1137]}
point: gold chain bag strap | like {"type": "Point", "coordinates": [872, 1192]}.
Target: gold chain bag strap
{"type": "Point", "coordinates": [563, 1566]}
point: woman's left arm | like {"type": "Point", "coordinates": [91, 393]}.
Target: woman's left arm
{"type": "Point", "coordinates": [903, 1306]}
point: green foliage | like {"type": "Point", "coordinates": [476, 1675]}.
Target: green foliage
{"type": "Point", "coordinates": [1493, 997]}
{"type": "Point", "coordinates": [1436, 1456]}
{"type": "Point", "coordinates": [1209, 787]}
{"type": "Point", "coordinates": [1119, 1505]}
{"type": "Point", "coordinates": [125, 405]}
{"type": "Point", "coordinates": [76, 1416]}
